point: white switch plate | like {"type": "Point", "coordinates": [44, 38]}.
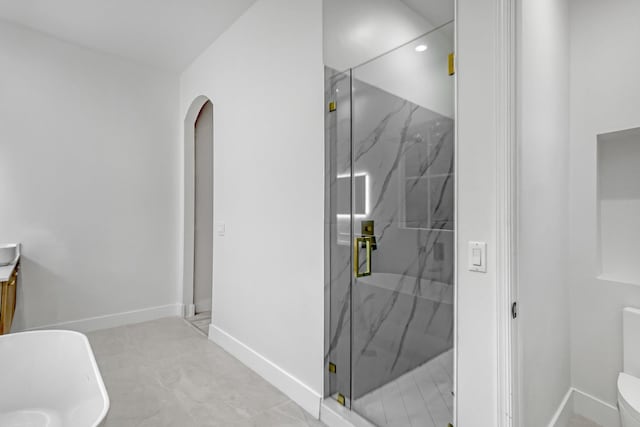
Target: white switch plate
{"type": "Point", "coordinates": [220, 228]}
{"type": "Point", "coordinates": [478, 257]}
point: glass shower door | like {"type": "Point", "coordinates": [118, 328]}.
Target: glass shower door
{"type": "Point", "coordinates": [401, 171]}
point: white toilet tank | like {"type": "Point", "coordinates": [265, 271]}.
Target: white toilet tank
{"type": "Point", "coordinates": [629, 379]}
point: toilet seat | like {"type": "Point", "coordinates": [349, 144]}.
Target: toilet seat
{"type": "Point", "coordinates": [629, 395]}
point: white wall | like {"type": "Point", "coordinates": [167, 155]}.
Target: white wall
{"type": "Point", "coordinates": [605, 97]}
{"type": "Point", "coordinates": [543, 222]}
{"type": "Point", "coordinates": [88, 179]}
{"type": "Point", "coordinates": [476, 212]}
{"type": "Point", "coordinates": [264, 77]}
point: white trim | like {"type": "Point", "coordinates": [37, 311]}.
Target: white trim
{"type": "Point", "coordinates": [190, 310]}
{"type": "Point", "coordinates": [564, 411]}
{"type": "Point", "coordinates": [456, 193]}
{"type": "Point", "coordinates": [581, 403]}
{"type": "Point", "coordinates": [335, 415]}
{"type": "Point", "coordinates": [506, 213]}
{"type": "Point", "coordinates": [295, 389]}
{"type": "Point", "coordinates": [117, 319]}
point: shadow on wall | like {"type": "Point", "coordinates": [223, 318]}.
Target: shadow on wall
{"type": "Point", "coordinates": [39, 282]}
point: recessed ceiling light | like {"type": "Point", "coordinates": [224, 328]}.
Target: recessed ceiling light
{"type": "Point", "coordinates": [421, 48]}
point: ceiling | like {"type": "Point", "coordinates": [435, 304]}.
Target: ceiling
{"type": "Point", "coordinates": [168, 34]}
{"type": "Point", "coordinates": [356, 31]}
{"type": "Point", "coordinates": [436, 12]}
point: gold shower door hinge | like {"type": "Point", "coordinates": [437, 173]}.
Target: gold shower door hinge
{"type": "Point", "coordinates": [452, 64]}
{"type": "Point", "coordinates": [332, 106]}
{"type": "Point", "coordinates": [340, 399]}
{"type": "Point", "coordinates": [332, 368]}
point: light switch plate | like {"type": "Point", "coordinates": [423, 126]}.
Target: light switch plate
{"type": "Point", "coordinates": [478, 257]}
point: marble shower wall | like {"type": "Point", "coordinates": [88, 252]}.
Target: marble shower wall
{"type": "Point", "coordinates": [403, 312]}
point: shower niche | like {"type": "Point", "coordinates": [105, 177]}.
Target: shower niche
{"type": "Point", "coordinates": [619, 205]}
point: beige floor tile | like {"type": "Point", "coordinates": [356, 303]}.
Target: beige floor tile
{"type": "Point", "coordinates": [165, 373]}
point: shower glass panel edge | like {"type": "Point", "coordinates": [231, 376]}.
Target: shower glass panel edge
{"type": "Point", "coordinates": [338, 182]}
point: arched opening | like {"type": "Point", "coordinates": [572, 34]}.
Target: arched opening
{"type": "Point", "coordinates": [198, 214]}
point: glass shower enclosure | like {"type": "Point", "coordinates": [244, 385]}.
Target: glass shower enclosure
{"type": "Point", "coordinates": [389, 240]}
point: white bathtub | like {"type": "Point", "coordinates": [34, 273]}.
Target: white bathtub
{"type": "Point", "coordinates": [50, 378]}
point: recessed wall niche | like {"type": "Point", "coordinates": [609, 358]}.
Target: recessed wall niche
{"type": "Point", "coordinates": [619, 205]}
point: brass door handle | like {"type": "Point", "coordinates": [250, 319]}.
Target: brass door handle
{"type": "Point", "coordinates": [368, 241]}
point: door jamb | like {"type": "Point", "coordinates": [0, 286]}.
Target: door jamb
{"type": "Point", "coordinates": [506, 191]}
{"type": "Point", "coordinates": [189, 205]}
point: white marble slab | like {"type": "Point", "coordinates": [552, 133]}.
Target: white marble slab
{"type": "Point", "coordinates": [7, 270]}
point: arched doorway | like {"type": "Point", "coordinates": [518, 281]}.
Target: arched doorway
{"type": "Point", "coordinates": [198, 210]}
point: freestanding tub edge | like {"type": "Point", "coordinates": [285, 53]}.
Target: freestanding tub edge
{"type": "Point", "coordinates": [50, 378]}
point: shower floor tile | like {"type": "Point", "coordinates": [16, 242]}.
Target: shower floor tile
{"type": "Point", "coordinates": [419, 398]}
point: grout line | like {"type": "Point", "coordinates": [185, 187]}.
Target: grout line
{"type": "Point", "coordinates": [433, 420]}
{"type": "Point", "coordinates": [435, 382]}
{"type": "Point", "coordinates": [420, 375]}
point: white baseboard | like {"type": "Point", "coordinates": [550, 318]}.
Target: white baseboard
{"type": "Point", "coordinates": [564, 412]}
{"type": "Point", "coordinates": [190, 310]}
{"type": "Point", "coordinates": [297, 391]}
{"type": "Point", "coordinates": [595, 409]}
{"type": "Point", "coordinates": [581, 403]}
{"type": "Point", "coordinates": [117, 319]}
{"type": "Point", "coordinates": [335, 415]}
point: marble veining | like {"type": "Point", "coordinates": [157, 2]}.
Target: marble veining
{"type": "Point", "coordinates": [407, 153]}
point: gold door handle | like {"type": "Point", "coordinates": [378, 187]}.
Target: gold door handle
{"type": "Point", "coordinates": [368, 240]}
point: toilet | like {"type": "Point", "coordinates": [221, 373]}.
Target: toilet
{"type": "Point", "coordinates": [629, 378]}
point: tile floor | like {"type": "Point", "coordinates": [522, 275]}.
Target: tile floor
{"type": "Point", "coordinates": [580, 421]}
{"type": "Point", "coordinates": [419, 398]}
{"type": "Point", "coordinates": [201, 321]}
{"type": "Point", "coordinates": [164, 373]}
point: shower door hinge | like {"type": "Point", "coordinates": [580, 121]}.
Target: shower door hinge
{"type": "Point", "coordinates": [332, 106]}
{"type": "Point", "coordinates": [514, 310]}
{"type": "Point", "coordinates": [341, 400]}
{"type": "Point", "coordinates": [452, 64]}
{"type": "Point", "coordinates": [332, 368]}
